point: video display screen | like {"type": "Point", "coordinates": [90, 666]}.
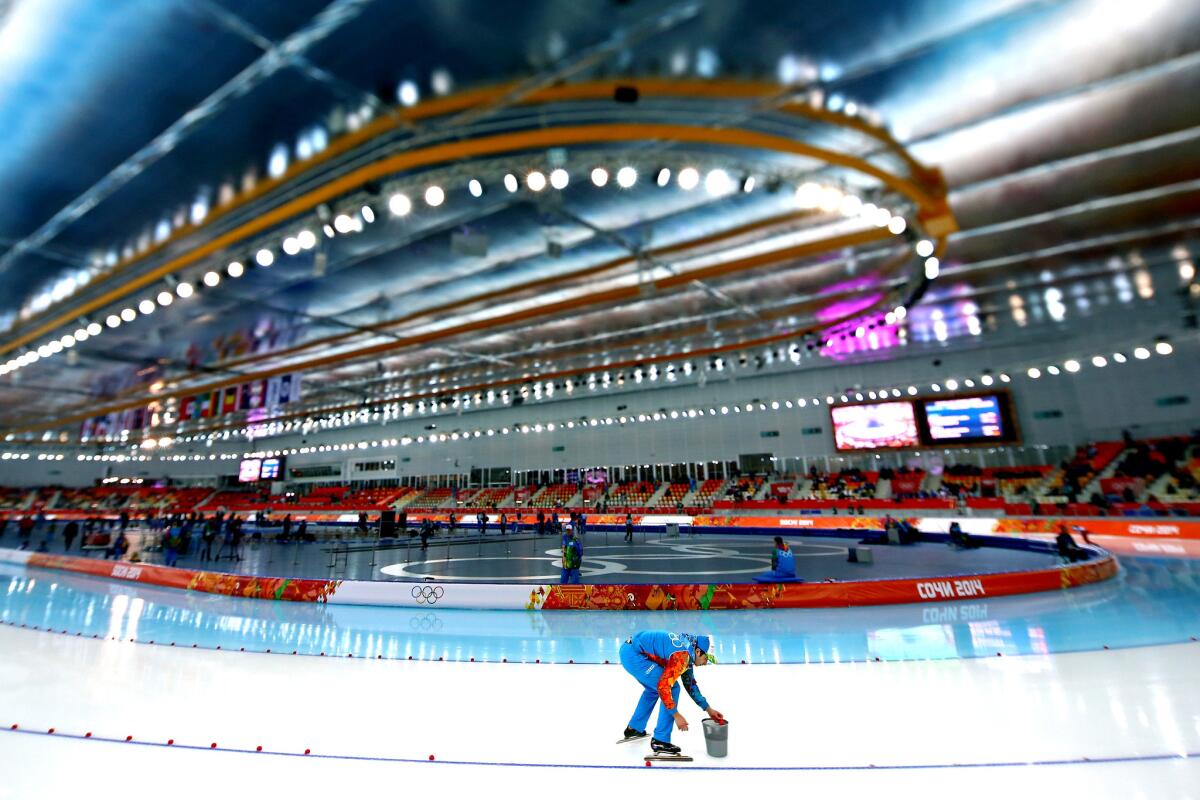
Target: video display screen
{"type": "Point", "coordinates": [965, 418]}
{"type": "Point", "coordinates": [249, 469]}
{"type": "Point", "coordinates": [272, 469]}
{"type": "Point", "coordinates": [875, 426]}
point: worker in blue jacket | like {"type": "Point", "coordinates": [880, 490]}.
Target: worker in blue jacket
{"type": "Point", "coordinates": [572, 557]}
{"type": "Point", "coordinates": [783, 563]}
{"type": "Point", "coordinates": [660, 661]}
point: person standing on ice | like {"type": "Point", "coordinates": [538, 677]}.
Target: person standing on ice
{"type": "Point", "coordinates": [660, 661]}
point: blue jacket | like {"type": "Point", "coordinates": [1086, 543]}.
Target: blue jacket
{"type": "Point", "coordinates": [672, 652]}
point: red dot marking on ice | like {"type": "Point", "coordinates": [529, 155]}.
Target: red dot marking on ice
{"type": "Point", "coordinates": [151, 641]}
{"type": "Point", "coordinates": [379, 656]}
{"type": "Point", "coordinates": [14, 726]}
{"type": "Point", "coordinates": [129, 738]}
{"type": "Point", "coordinates": [431, 758]}
{"type": "Point", "coordinates": [218, 647]}
{"type": "Point", "coordinates": [472, 658]}
{"type": "Point", "coordinates": [322, 652]}
{"type": "Point", "coordinates": [504, 660]}
{"type": "Point", "coordinates": [606, 661]}
{"type": "Point", "coordinates": [170, 741]}
{"type": "Point", "coordinates": [259, 748]}
{"type": "Point", "coordinates": [242, 649]}
{"type": "Point", "coordinates": [570, 661]}
{"type": "Point", "coordinates": [193, 645]}
{"type": "Point", "coordinates": [647, 763]}
{"type": "Point", "coordinates": [87, 735]}
{"type": "Point", "coordinates": [268, 649]}
{"type": "Point", "coordinates": [172, 644]}
{"type": "Point", "coordinates": [293, 652]}
{"type": "Point", "coordinates": [307, 751]}
{"type": "Point", "coordinates": [212, 746]}
{"type": "Point", "coordinates": [349, 655]}
{"type": "Point", "coordinates": [537, 661]}
{"type": "Point", "coordinates": [410, 658]}
{"type": "Point", "coordinates": [50, 731]}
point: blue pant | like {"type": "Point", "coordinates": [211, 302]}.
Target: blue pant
{"type": "Point", "coordinates": [172, 557]}
{"type": "Point", "coordinates": [647, 674]}
{"type": "Point", "coordinates": [570, 576]}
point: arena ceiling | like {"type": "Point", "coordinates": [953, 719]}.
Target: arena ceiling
{"type": "Point", "coordinates": [1049, 152]}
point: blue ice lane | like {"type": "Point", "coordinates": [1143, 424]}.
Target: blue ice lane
{"type": "Point", "coordinates": [1153, 601]}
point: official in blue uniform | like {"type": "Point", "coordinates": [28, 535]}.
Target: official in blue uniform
{"type": "Point", "coordinates": [783, 563]}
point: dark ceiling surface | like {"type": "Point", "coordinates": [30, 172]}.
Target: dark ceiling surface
{"type": "Point", "coordinates": [1068, 134]}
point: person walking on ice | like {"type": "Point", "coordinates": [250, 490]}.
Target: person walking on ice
{"type": "Point", "coordinates": [660, 661]}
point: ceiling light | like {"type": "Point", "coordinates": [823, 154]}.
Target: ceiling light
{"type": "Point", "coordinates": [1164, 348]}
{"type": "Point", "coordinates": [559, 178]}
{"type": "Point", "coordinates": [912, 390]}
{"type": "Point", "coordinates": [368, 214]}
{"type": "Point", "coordinates": [1141, 353]}
{"type": "Point", "coordinates": [900, 311]}
{"type": "Point", "coordinates": [82, 335]}
{"type": "Point", "coordinates": [94, 329]}
{"type": "Point", "coordinates": [986, 380]}
{"type": "Point", "coordinates": [307, 239]}
{"type": "Point", "coordinates": [1053, 370]}
{"type": "Point", "coordinates": [626, 177]}
{"type": "Point", "coordinates": [329, 231]}
{"type": "Point", "coordinates": [663, 176]}
{"type": "Point", "coordinates": [342, 223]}
{"type": "Point", "coordinates": [897, 225]}
{"type": "Point", "coordinates": [1004, 377]}
{"type": "Point", "coordinates": [599, 176]}
{"type": "Point", "coordinates": [407, 93]}
{"type": "Point", "coordinates": [717, 182]}
{"type": "Point", "coordinates": [1099, 361]}
{"type": "Point", "coordinates": [265, 257]}
{"type": "Point", "coordinates": [211, 278]}
{"type": "Point", "coordinates": [689, 178]}
{"type": "Point", "coordinates": [291, 245]}
{"type": "Point", "coordinates": [748, 183]}
{"type": "Point", "coordinates": [952, 384]}
{"type": "Point", "coordinates": [434, 196]}
{"type": "Point", "coordinates": [1119, 358]}
{"type": "Point", "coordinates": [924, 248]}
{"type": "Point", "coordinates": [850, 206]}
{"type": "Point", "coordinates": [128, 315]}
{"type": "Point", "coordinates": [536, 181]}
{"type": "Point", "coordinates": [399, 204]}
{"type": "Point", "coordinates": [932, 267]}
{"type": "Point", "coordinates": [146, 306]}
{"type": "Point", "coordinates": [44, 351]}
{"type": "Point", "coordinates": [184, 290]}
{"type": "Point", "coordinates": [475, 187]}
{"type": "Point", "coordinates": [235, 270]}
{"type": "Point", "coordinates": [1071, 365]}
{"type": "Point", "coordinates": [165, 298]}
{"type": "Point", "coordinates": [511, 183]}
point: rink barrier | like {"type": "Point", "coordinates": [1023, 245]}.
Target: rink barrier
{"type": "Point", "coordinates": [616, 597]}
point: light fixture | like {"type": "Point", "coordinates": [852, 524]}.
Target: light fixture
{"type": "Point", "coordinates": [1099, 361]}
{"type": "Point", "coordinates": [291, 245]}
{"type": "Point", "coordinates": [897, 225]}
{"type": "Point", "coordinates": [235, 270]}
{"type": "Point", "coordinates": [81, 335]}
{"type": "Point", "coordinates": [689, 178]}
{"type": "Point", "coordinates": [559, 178]}
{"type": "Point", "coordinates": [912, 390]}
{"type": "Point", "coordinates": [264, 257]}
{"type": "Point", "coordinates": [94, 329]}
{"type": "Point", "coordinates": [924, 248]}
{"type": "Point", "coordinates": [1119, 358]}
{"type": "Point", "coordinates": [399, 204]}
{"type": "Point", "coordinates": [307, 239]}
{"type": "Point", "coordinates": [511, 183]}
{"type": "Point", "coordinates": [1164, 348]}
{"type": "Point", "coordinates": [342, 223]}
{"type": "Point", "coordinates": [211, 278]}
{"type": "Point", "coordinates": [1141, 353]}
{"type": "Point", "coordinates": [1071, 365]}
{"type": "Point", "coordinates": [1053, 370]}
{"type": "Point", "coordinates": [434, 196]}
{"type": "Point", "coordinates": [368, 214]}
{"type": "Point", "coordinates": [599, 176]}
{"type": "Point", "coordinates": [626, 177]}
{"type": "Point", "coordinates": [165, 298]}
{"type": "Point", "coordinates": [407, 93]}
{"type": "Point", "coordinates": [536, 181]}
{"type": "Point", "coordinates": [900, 311]}
{"type": "Point", "coordinates": [475, 187]}
{"type": "Point", "coordinates": [184, 290]}
{"type": "Point", "coordinates": [128, 315]}
{"type": "Point", "coordinates": [717, 182]}
{"type": "Point", "coordinates": [951, 384]}
{"type": "Point", "coordinates": [986, 380]}
{"type": "Point", "coordinates": [932, 268]}
{"type": "Point", "coordinates": [146, 306]}
{"type": "Point", "coordinates": [663, 176]}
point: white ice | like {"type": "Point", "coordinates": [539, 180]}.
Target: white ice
{"type": "Point", "coordinates": [828, 723]}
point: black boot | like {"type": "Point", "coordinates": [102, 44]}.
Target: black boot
{"type": "Point", "coordinates": [634, 733]}
{"type": "Point", "coordinates": [664, 748]}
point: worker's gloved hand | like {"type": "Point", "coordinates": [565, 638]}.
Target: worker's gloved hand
{"type": "Point", "coordinates": [714, 714]}
{"type": "Point", "coordinates": [680, 722]}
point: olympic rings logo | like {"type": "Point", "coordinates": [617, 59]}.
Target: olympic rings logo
{"type": "Point", "coordinates": [427, 594]}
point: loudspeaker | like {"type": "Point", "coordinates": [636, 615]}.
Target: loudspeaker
{"type": "Point", "coordinates": [625, 94]}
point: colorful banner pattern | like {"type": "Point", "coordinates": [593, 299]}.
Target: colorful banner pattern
{"type": "Point", "coordinates": [592, 597]}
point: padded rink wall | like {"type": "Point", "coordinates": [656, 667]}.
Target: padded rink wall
{"type": "Point", "coordinates": [614, 597]}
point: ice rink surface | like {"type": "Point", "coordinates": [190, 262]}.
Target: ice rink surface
{"type": "Point", "coordinates": [939, 712]}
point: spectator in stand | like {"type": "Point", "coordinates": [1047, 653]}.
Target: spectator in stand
{"type": "Point", "coordinates": [541, 523]}
{"type": "Point", "coordinates": [208, 537]}
{"type": "Point", "coordinates": [426, 532]}
{"type": "Point", "coordinates": [483, 522]}
{"type": "Point", "coordinates": [171, 544]}
{"type": "Point", "coordinates": [503, 524]}
{"type": "Point", "coordinates": [287, 527]}
{"type": "Point", "coordinates": [628, 527]}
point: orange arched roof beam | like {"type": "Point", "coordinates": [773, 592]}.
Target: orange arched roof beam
{"type": "Point", "coordinates": [442, 106]}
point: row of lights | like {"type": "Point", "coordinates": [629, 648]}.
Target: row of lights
{"type": "Point", "coordinates": [1071, 365]}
